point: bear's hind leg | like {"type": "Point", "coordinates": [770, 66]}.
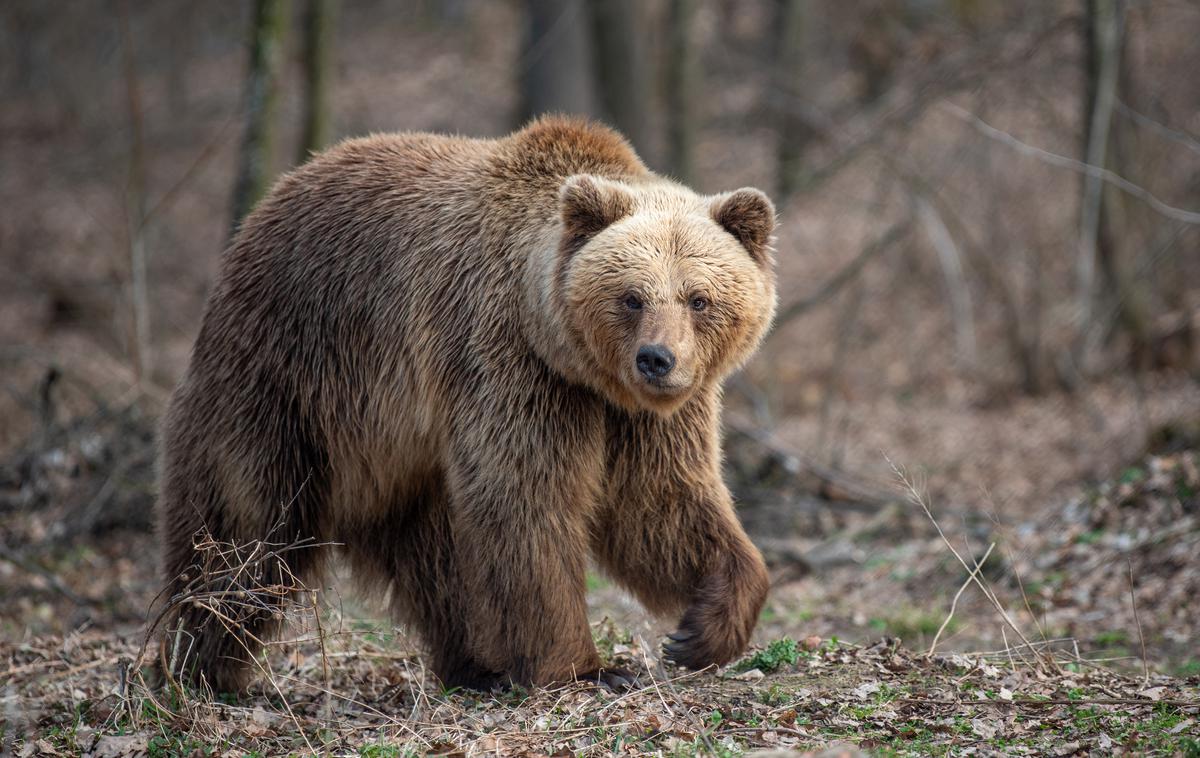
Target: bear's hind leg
{"type": "Point", "coordinates": [226, 593]}
{"type": "Point", "coordinates": [413, 554]}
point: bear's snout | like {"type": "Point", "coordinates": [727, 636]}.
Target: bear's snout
{"type": "Point", "coordinates": [655, 361]}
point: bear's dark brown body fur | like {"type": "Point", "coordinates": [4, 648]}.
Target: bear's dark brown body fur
{"type": "Point", "coordinates": [406, 354]}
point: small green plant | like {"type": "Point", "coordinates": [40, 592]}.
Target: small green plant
{"type": "Point", "coordinates": [1115, 638]}
{"type": "Point", "coordinates": [1189, 668]}
{"type": "Point", "coordinates": [1132, 475]}
{"type": "Point", "coordinates": [171, 744]}
{"type": "Point", "coordinates": [782, 652]}
{"type": "Point", "coordinates": [381, 750]}
{"type": "Point", "coordinates": [774, 695]}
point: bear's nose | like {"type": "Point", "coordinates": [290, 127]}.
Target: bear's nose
{"type": "Point", "coordinates": [655, 361]}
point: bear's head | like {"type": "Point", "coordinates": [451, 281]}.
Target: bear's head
{"type": "Point", "coordinates": [667, 291]}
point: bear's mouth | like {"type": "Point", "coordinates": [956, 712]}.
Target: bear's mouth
{"type": "Point", "coordinates": [663, 386]}
{"type": "Point", "coordinates": [662, 391]}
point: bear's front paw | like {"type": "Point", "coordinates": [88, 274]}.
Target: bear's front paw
{"type": "Point", "coordinates": [717, 626]}
{"type": "Point", "coordinates": [691, 648]}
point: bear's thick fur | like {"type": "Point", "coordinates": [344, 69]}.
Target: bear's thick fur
{"type": "Point", "coordinates": [474, 365]}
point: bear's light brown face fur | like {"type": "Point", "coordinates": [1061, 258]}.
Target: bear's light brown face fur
{"type": "Point", "coordinates": [667, 290]}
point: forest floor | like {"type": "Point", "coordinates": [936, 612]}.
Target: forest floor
{"type": "Point", "coordinates": [364, 695]}
{"type": "Point", "coordinates": [1078, 636]}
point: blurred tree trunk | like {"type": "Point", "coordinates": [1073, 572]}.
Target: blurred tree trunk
{"type": "Point", "coordinates": [873, 51]}
{"type": "Point", "coordinates": [318, 61]}
{"type": "Point", "coordinates": [620, 65]}
{"type": "Point", "coordinates": [183, 43]}
{"type": "Point", "coordinates": [786, 93]}
{"type": "Point", "coordinates": [262, 93]}
{"type": "Point", "coordinates": [135, 203]}
{"type": "Point", "coordinates": [683, 80]}
{"type": "Point", "coordinates": [556, 60]}
{"type": "Point", "coordinates": [1100, 81]}
{"type": "Point", "coordinates": [1102, 209]}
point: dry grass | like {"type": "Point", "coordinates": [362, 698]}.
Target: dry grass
{"type": "Point", "coordinates": [82, 694]}
{"type": "Point", "coordinates": [337, 686]}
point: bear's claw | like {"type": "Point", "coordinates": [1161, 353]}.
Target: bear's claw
{"type": "Point", "coordinates": [615, 679]}
{"type": "Point", "coordinates": [690, 649]}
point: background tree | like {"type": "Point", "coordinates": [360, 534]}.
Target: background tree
{"type": "Point", "coordinates": [683, 77]}
{"type": "Point", "coordinates": [619, 39]}
{"type": "Point", "coordinates": [1102, 32]}
{"type": "Point", "coordinates": [261, 98]}
{"type": "Point", "coordinates": [556, 63]}
{"type": "Point", "coordinates": [318, 30]}
{"type": "Point", "coordinates": [786, 96]}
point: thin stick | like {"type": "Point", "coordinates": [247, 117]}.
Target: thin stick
{"type": "Point", "coordinates": [1141, 637]}
{"type": "Point", "coordinates": [324, 653]}
{"type": "Point", "coordinates": [957, 595]}
{"type": "Point", "coordinates": [915, 497]}
{"type": "Point", "coordinates": [1012, 562]}
{"type": "Point", "coordinates": [1008, 649]}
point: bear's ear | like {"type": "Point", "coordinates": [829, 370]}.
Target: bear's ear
{"type": "Point", "coordinates": [749, 216]}
{"type": "Point", "coordinates": [589, 205]}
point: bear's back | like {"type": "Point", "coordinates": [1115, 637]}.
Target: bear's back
{"type": "Point", "coordinates": [386, 250]}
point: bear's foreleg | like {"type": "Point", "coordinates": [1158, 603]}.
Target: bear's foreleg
{"type": "Point", "coordinates": [524, 478]}
{"type": "Point", "coordinates": [669, 532]}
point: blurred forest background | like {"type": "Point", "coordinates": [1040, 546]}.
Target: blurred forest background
{"type": "Point", "coordinates": [988, 251]}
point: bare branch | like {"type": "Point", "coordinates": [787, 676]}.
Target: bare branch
{"type": "Point", "coordinates": [1079, 167]}
{"type": "Point", "coordinates": [950, 260]}
{"type": "Point", "coordinates": [843, 277]}
{"type": "Point", "coordinates": [1183, 138]}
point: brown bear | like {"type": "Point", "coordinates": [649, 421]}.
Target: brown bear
{"type": "Point", "coordinates": [470, 366]}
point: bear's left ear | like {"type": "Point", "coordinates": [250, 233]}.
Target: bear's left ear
{"type": "Point", "coordinates": [589, 205]}
{"type": "Point", "coordinates": [749, 216]}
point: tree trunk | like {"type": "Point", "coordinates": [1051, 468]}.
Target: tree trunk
{"type": "Point", "coordinates": [1102, 67]}
{"type": "Point", "coordinates": [619, 62]}
{"type": "Point", "coordinates": [794, 133]}
{"type": "Point", "coordinates": [683, 80]}
{"type": "Point", "coordinates": [318, 62]}
{"type": "Point", "coordinates": [556, 60]}
{"type": "Point", "coordinates": [262, 92]}
{"type": "Point", "coordinates": [958, 293]}
{"type": "Point", "coordinates": [135, 205]}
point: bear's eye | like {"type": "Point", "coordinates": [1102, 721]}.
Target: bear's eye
{"type": "Point", "coordinates": [699, 303]}
{"type": "Point", "coordinates": [632, 302]}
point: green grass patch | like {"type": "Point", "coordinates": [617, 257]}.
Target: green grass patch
{"type": "Point", "coordinates": [381, 750]}
{"type": "Point", "coordinates": [784, 651]}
